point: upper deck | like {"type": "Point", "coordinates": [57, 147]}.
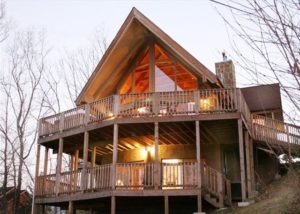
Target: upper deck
{"type": "Point", "coordinates": [208, 104]}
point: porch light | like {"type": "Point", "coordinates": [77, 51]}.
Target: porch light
{"type": "Point", "coordinates": [147, 150]}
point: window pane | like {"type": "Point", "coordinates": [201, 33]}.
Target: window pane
{"type": "Point", "coordinates": [127, 85]}
{"type": "Point", "coordinates": [164, 78]}
{"type": "Point", "coordinates": [141, 79]}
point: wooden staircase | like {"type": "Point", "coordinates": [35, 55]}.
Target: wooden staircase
{"type": "Point", "coordinates": [216, 188]}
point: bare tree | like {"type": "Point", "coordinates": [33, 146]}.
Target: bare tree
{"type": "Point", "coordinates": [77, 66]}
{"type": "Point", "coordinates": [270, 33]}
{"type": "Point", "coordinates": [21, 88]}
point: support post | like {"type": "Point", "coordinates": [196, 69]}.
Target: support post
{"type": "Point", "coordinates": [156, 162]}
{"type": "Point", "coordinates": [85, 160]}
{"type": "Point", "coordinates": [113, 205]}
{"type": "Point", "coordinates": [242, 160]}
{"type": "Point", "coordinates": [76, 169]}
{"type": "Point", "coordinates": [37, 165]}
{"type": "Point", "coordinates": [248, 164]}
{"type": "Point", "coordinates": [151, 67]}
{"type": "Point", "coordinates": [166, 204]}
{"type": "Point", "coordinates": [198, 169]}
{"type": "Point", "coordinates": [46, 161]}
{"type": "Point", "coordinates": [93, 166]}
{"type": "Point", "coordinates": [252, 166]}
{"type": "Point", "coordinates": [58, 167]}
{"type": "Point", "coordinates": [71, 207]}
{"type": "Point", "coordinates": [37, 168]}
{"type": "Point", "coordinates": [115, 156]}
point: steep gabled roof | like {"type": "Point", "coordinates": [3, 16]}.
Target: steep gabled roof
{"type": "Point", "coordinates": [129, 40]}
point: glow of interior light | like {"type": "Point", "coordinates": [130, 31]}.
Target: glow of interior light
{"type": "Point", "coordinates": [119, 183]}
{"type": "Point", "coordinates": [147, 150]}
{"type": "Point", "coordinates": [172, 161]}
{"type": "Point", "coordinates": [142, 110]}
{"type": "Point", "coordinates": [110, 114]}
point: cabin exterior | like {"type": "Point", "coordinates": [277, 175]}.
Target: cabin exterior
{"type": "Point", "coordinates": [155, 131]}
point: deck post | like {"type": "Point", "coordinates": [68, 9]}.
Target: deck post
{"type": "Point", "coordinates": [242, 160]}
{"type": "Point", "coordinates": [93, 159]}
{"type": "Point", "coordinates": [248, 164]}
{"type": "Point", "coordinates": [37, 168]}
{"type": "Point", "coordinates": [37, 165]}
{"type": "Point", "coordinates": [166, 204]}
{"type": "Point", "coordinates": [252, 165]}
{"type": "Point", "coordinates": [198, 169]}
{"type": "Point", "coordinates": [115, 156]}
{"type": "Point", "coordinates": [113, 205]}
{"type": "Point", "coordinates": [116, 105]}
{"type": "Point", "coordinates": [46, 161]}
{"type": "Point", "coordinates": [156, 161]}
{"type": "Point", "coordinates": [151, 67]}
{"type": "Point", "coordinates": [58, 167]}
{"type": "Point", "coordinates": [84, 180]}
{"type": "Point", "coordinates": [71, 207]}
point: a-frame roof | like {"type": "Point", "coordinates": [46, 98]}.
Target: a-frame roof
{"type": "Point", "coordinates": [130, 39]}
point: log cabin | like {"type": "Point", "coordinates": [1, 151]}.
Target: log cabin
{"type": "Point", "coordinates": [155, 131]}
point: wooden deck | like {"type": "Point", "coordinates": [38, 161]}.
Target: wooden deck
{"type": "Point", "coordinates": [134, 179]}
{"type": "Point", "coordinates": [147, 105]}
{"type": "Point", "coordinates": [168, 106]}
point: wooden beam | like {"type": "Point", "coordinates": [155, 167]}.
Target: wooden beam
{"type": "Point", "coordinates": [76, 159]}
{"type": "Point", "coordinates": [71, 207]}
{"type": "Point", "coordinates": [252, 165]}
{"type": "Point", "coordinates": [113, 205]}
{"type": "Point", "coordinates": [198, 171]}
{"type": "Point", "coordinates": [248, 164]}
{"type": "Point", "coordinates": [152, 67]}
{"type": "Point", "coordinates": [37, 165]}
{"type": "Point", "coordinates": [37, 169]}
{"type": "Point", "coordinates": [58, 167]}
{"type": "Point", "coordinates": [166, 204]}
{"type": "Point", "coordinates": [115, 156]}
{"type": "Point", "coordinates": [242, 159]}
{"type": "Point", "coordinates": [85, 160]}
{"type": "Point", "coordinates": [156, 161]}
{"type": "Point", "coordinates": [46, 161]}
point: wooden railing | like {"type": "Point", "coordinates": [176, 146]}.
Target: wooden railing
{"type": "Point", "coordinates": [98, 178]}
{"type": "Point", "coordinates": [179, 175]}
{"type": "Point", "coordinates": [275, 131]}
{"type": "Point", "coordinates": [45, 185]}
{"type": "Point", "coordinates": [144, 104]}
{"type": "Point", "coordinates": [136, 176]}
{"type": "Point", "coordinates": [216, 183]}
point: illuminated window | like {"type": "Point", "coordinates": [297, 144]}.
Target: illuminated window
{"type": "Point", "coordinates": [169, 75]}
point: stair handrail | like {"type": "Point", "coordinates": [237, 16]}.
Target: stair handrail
{"type": "Point", "coordinates": [216, 183]}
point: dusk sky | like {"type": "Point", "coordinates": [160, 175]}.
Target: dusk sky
{"type": "Point", "coordinates": [196, 25]}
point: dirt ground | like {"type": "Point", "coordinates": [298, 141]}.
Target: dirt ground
{"type": "Point", "coordinates": [281, 196]}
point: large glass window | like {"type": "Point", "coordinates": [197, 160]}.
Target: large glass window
{"type": "Point", "coordinates": [169, 75]}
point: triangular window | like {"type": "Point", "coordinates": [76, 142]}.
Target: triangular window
{"type": "Point", "coordinates": [169, 74]}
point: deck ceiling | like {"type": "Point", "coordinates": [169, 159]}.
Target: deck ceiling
{"type": "Point", "coordinates": [133, 136]}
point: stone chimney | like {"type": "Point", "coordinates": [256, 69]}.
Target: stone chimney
{"type": "Point", "coordinates": [225, 72]}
